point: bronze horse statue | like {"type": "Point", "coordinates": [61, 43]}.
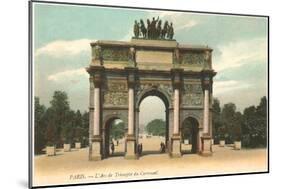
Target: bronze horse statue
{"type": "Point", "coordinates": [143, 29]}
{"type": "Point", "coordinates": [164, 30]}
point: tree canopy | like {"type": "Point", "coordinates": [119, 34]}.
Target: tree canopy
{"type": "Point", "coordinates": [59, 124]}
{"type": "Point", "coordinates": [250, 127]}
{"type": "Point", "coordinates": [156, 127]}
{"type": "Point", "coordinates": [117, 130]}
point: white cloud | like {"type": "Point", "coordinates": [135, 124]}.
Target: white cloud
{"type": "Point", "coordinates": [180, 20]}
{"type": "Point", "coordinates": [68, 75]}
{"type": "Point", "coordinates": [237, 54]}
{"type": "Point", "coordinates": [62, 48]}
{"type": "Point", "coordinates": [188, 25]}
{"type": "Point", "coordinates": [221, 87]}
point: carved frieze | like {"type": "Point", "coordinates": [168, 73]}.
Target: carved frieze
{"type": "Point", "coordinates": [115, 54]}
{"type": "Point", "coordinates": [117, 86]}
{"type": "Point", "coordinates": [193, 99]}
{"type": "Point", "coordinates": [116, 98]}
{"type": "Point", "coordinates": [193, 58]}
{"type": "Point", "coordinates": [193, 95]}
{"type": "Point", "coordinates": [116, 94]}
{"type": "Point", "coordinates": [193, 88]}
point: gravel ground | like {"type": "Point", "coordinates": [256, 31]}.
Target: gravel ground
{"type": "Point", "coordinates": [74, 167]}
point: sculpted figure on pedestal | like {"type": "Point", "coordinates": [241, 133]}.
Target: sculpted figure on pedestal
{"type": "Point", "coordinates": [171, 31]}
{"type": "Point", "coordinates": [97, 53]}
{"type": "Point", "coordinates": [132, 54]}
{"type": "Point", "coordinates": [143, 29]}
{"type": "Point", "coordinates": [136, 29]}
{"type": "Point", "coordinates": [164, 30]}
{"type": "Point", "coordinates": [153, 29]}
{"type": "Point", "coordinates": [158, 29]}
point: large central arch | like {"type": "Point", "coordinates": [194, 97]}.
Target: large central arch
{"type": "Point", "coordinates": [122, 74]}
{"type": "Point", "coordinates": [166, 99]}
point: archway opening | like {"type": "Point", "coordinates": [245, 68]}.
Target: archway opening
{"type": "Point", "coordinates": [114, 138]}
{"type": "Point", "coordinates": [190, 135]}
{"type": "Point", "coordinates": [153, 130]}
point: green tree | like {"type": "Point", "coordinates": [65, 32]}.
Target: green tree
{"type": "Point", "coordinates": [254, 126]}
{"type": "Point", "coordinates": [216, 119]}
{"type": "Point", "coordinates": [117, 130]}
{"type": "Point", "coordinates": [248, 129]}
{"type": "Point", "coordinates": [236, 130]}
{"type": "Point", "coordinates": [68, 127]}
{"type": "Point", "coordinates": [262, 121]}
{"type": "Point", "coordinates": [228, 121]}
{"type": "Point", "coordinates": [51, 132]}
{"type": "Point", "coordinates": [39, 126]}
{"type": "Point", "coordinates": [60, 114]}
{"type": "Point", "coordinates": [78, 126]}
{"type": "Point", "coordinates": [156, 127]}
{"type": "Point", "coordinates": [85, 128]}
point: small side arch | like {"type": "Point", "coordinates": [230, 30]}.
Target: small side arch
{"type": "Point", "coordinates": [108, 120]}
{"type": "Point", "coordinates": [111, 117]}
{"type": "Point", "coordinates": [190, 132]}
{"type": "Point", "coordinates": [194, 116]}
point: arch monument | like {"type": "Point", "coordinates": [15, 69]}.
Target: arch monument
{"type": "Point", "coordinates": [123, 73]}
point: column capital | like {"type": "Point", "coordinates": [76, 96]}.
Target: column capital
{"type": "Point", "coordinates": [207, 82]}
{"type": "Point", "coordinates": [131, 76]}
{"type": "Point", "coordinates": [96, 74]}
{"type": "Point", "coordinates": [177, 77]}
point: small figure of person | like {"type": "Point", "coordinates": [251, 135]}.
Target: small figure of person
{"type": "Point", "coordinates": [162, 147]}
{"type": "Point", "coordinates": [140, 148]}
{"type": "Point", "coordinates": [112, 148]}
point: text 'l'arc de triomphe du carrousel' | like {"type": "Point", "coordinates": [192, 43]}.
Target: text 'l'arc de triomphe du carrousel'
{"type": "Point", "coordinates": [152, 63]}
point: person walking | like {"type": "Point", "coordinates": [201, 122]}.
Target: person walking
{"type": "Point", "coordinates": [112, 148]}
{"type": "Point", "coordinates": [140, 148]}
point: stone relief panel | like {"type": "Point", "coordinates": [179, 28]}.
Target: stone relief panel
{"type": "Point", "coordinates": [193, 58]}
{"type": "Point", "coordinates": [115, 54]}
{"type": "Point", "coordinates": [193, 95]}
{"type": "Point", "coordinates": [116, 94]}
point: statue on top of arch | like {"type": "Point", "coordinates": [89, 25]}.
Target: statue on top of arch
{"type": "Point", "coordinates": [153, 29]}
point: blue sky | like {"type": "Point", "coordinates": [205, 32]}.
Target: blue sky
{"type": "Point", "coordinates": [62, 34]}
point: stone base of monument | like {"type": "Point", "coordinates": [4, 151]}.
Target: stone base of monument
{"type": "Point", "coordinates": [95, 154]}
{"type": "Point", "coordinates": [130, 147]}
{"type": "Point", "coordinates": [237, 145]}
{"type": "Point", "coordinates": [222, 143]}
{"type": "Point", "coordinates": [50, 150]}
{"type": "Point", "coordinates": [66, 147]}
{"type": "Point", "coordinates": [77, 145]}
{"type": "Point", "coordinates": [206, 146]}
{"type": "Point", "coordinates": [176, 147]}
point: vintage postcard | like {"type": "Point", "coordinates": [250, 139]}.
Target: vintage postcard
{"type": "Point", "coordinates": [126, 94]}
